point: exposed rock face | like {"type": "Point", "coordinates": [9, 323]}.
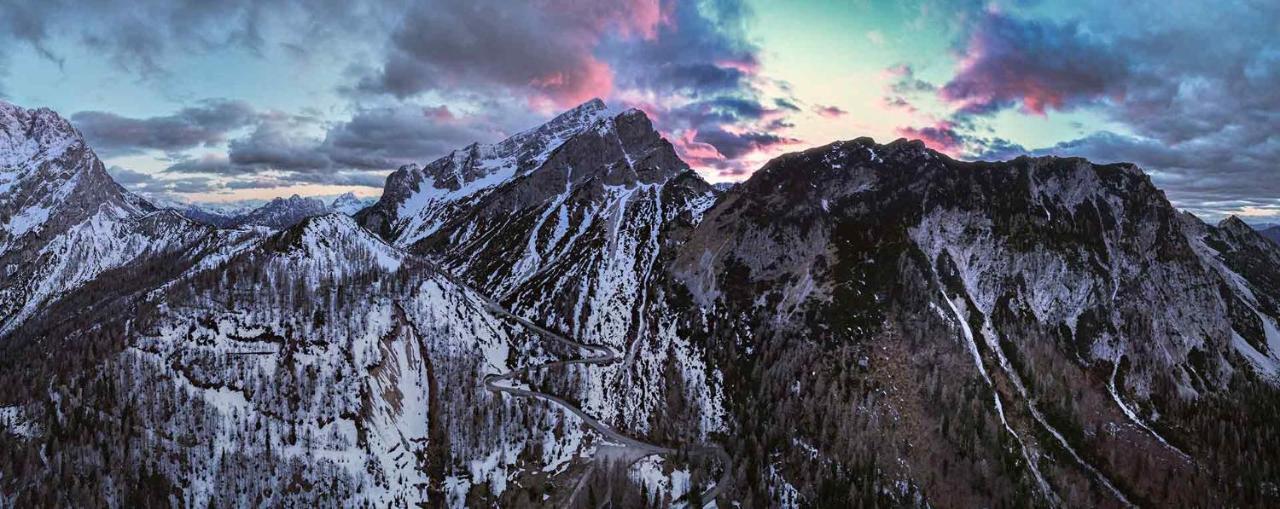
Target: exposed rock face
{"type": "Point", "coordinates": [65, 221]}
{"type": "Point", "coordinates": [283, 212]}
{"type": "Point", "coordinates": [349, 204]}
{"type": "Point", "coordinates": [277, 214]}
{"type": "Point", "coordinates": [856, 324]}
{"type": "Point", "coordinates": [417, 199]}
{"type": "Point", "coordinates": [570, 224]}
{"type": "Point", "coordinates": [1049, 315]}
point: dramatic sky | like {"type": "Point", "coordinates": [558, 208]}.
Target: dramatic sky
{"type": "Point", "coordinates": [249, 99]}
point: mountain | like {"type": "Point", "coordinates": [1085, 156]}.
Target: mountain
{"type": "Point", "coordinates": [572, 317]}
{"type": "Point", "coordinates": [1054, 317]}
{"type": "Point", "coordinates": [213, 214]}
{"type": "Point", "coordinates": [1272, 233]}
{"type": "Point", "coordinates": [277, 214]}
{"type": "Point", "coordinates": [568, 224]}
{"type": "Point", "coordinates": [66, 221]}
{"type": "Point", "coordinates": [283, 212]}
{"type": "Point", "coordinates": [349, 204]}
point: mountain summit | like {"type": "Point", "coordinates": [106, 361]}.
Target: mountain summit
{"type": "Point", "coordinates": [63, 220]}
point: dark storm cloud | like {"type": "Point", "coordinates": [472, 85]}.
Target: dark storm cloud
{"type": "Point", "coordinates": [138, 35]}
{"type": "Point", "coordinates": [206, 124]}
{"type": "Point", "coordinates": [274, 145]}
{"type": "Point", "coordinates": [1201, 175]}
{"type": "Point", "coordinates": [149, 184]}
{"type": "Point", "coordinates": [256, 183]}
{"type": "Point", "coordinates": [692, 58]}
{"type": "Point", "coordinates": [544, 48]}
{"type": "Point", "coordinates": [702, 49]}
{"type": "Point", "coordinates": [735, 145]}
{"type": "Point", "coordinates": [345, 178]}
{"type": "Point", "coordinates": [208, 164]}
{"type": "Point", "coordinates": [719, 130]}
{"type": "Point", "coordinates": [942, 136]}
{"type": "Point", "coordinates": [698, 76]}
{"type": "Point", "coordinates": [654, 54]}
{"type": "Point", "coordinates": [1039, 65]}
{"type": "Point", "coordinates": [127, 177]}
{"type": "Point", "coordinates": [389, 137]}
{"type": "Point", "coordinates": [357, 152]}
{"type": "Point", "coordinates": [1195, 88]}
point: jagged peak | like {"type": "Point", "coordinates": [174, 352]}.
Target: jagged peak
{"type": "Point", "coordinates": [332, 239]}
{"type": "Point", "coordinates": [29, 136]}
{"type": "Point", "coordinates": [1236, 226]}
{"type": "Point", "coordinates": [570, 121]}
{"type": "Point", "coordinates": [592, 105]}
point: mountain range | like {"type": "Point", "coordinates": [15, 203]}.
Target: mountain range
{"type": "Point", "coordinates": [572, 317]}
{"type": "Point", "coordinates": [276, 214]}
{"type": "Point", "coordinates": [1271, 232]}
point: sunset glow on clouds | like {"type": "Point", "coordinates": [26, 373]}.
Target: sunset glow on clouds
{"type": "Point", "coordinates": [257, 99]}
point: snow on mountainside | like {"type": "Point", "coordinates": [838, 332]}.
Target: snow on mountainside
{"type": "Point", "coordinates": [277, 214]}
{"type": "Point", "coordinates": [573, 317]}
{"type": "Point", "coordinates": [1058, 314]}
{"type": "Point", "coordinates": [65, 220]}
{"type": "Point", "coordinates": [44, 164]}
{"type": "Point", "coordinates": [568, 224]}
{"type": "Point", "coordinates": [418, 200]}
{"type": "Point", "coordinates": [318, 354]}
{"type": "Point", "coordinates": [341, 367]}
{"type": "Point", "coordinates": [321, 356]}
{"type": "Point", "coordinates": [349, 204]}
{"type": "Point", "coordinates": [213, 214]}
{"type": "Point", "coordinates": [283, 212]}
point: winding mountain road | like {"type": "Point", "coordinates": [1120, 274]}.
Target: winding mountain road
{"type": "Point", "coordinates": [600, 355]}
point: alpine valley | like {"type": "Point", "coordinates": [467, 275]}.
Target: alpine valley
{"type": "Point", "coordinates": [573, 317]}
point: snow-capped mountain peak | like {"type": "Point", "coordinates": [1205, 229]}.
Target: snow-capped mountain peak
{"type": "Point", "coordinates": [584, 143]}
{"type": "Point", "coordinates": [283, 212]}
{"type": "Point", "coordinates": [349, 204]}
{"type": "Point", "coordinates": [63, 220]}
{"type": "Point", "coordinates": [29, 137]}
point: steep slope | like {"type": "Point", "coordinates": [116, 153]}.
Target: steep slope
{"type": "Point", "coordinates": [567, 224]}
{"type": "Point", "coordinates": [320, 357]}
{"type": "Point", "coordinates": [417, 200]}
{"type": "Point", "coordinates": [1272, 233]}
{"type": "Point", "coordinates": [65, 220]}
{"type": "Point", "coordinates": [573, 317]}
{"type": "Point", "coordinates": [272, 292]}
{"type": "Point", "coordinates": [1044, 327]}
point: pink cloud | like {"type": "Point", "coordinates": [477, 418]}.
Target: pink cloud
{"type": "Point", "coordinates": [829, 111]}
{"type": "Point", "coordinates": [746, 65]}
{"type": "Point", "coordinates": [571, 87]}
{"type": "Point", "coordinates": [1037, 65]}
{"type": "Point", "coordinates": [630, 18]}
{"type": "Point", "coordinates": [438, 113]}
{"type": "Point", "coordinates": [940, 136]}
